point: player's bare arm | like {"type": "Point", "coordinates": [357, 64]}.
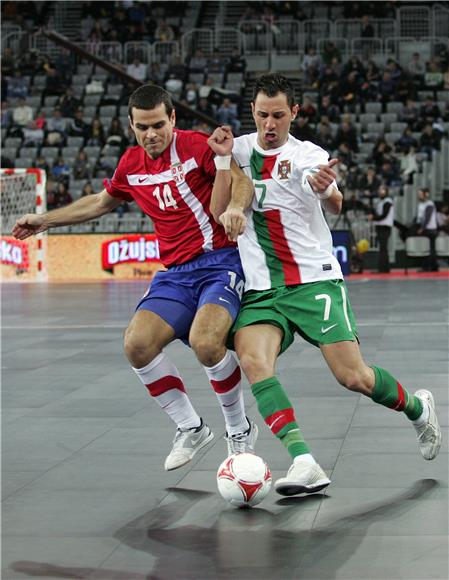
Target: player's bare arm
{"type": "Point", "coordinates": [321, 183]}
{"type": "Point", "coordinates": [233, 190]}
{"type": "Point", "coordinates": [82, 210]}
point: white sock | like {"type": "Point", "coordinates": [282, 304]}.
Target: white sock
{"type": "Point", "coordinates": [225, 378]}
{"type": "Point", "coordinates": [165, 385]}
{"type": "Point", "coordinates": [423, 417]}
{"type": "Point", "coordinates": [307, 457]}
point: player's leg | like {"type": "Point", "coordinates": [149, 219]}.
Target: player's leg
{"type": "Point", "coordinates": [220, 283]}
{"type": "Point", "coordinates": [346, 363]}
{"type": "Point", "coordinates": [258, 347]}
{"type": "Point", "coordinates": [156, 323]}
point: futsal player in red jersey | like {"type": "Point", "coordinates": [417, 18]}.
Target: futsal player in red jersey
{"type": "Point", "coordinates": [170, 175]}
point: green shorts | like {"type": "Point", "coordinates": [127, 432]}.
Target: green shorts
{"type": "Point", "coordinates": [319, 311]}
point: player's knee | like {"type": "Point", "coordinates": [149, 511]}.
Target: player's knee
{"type": "Point", "coordinates": [138, 353]}
{"type": "Point", "coordinates": [255, 367]}
{"type": "Point", "coordinates": [209, 352]}
{"type": "Point", "coordinates": [351, 380]}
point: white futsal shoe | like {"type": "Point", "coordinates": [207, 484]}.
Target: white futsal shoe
{"type": "Point", "coordinates": [302, 477]}
{"type": "Point", "coordinates": [186, 444]}
{"type": "Point", "coordinates": [429, 432]}
{"type": "Point", "coordinates": [243, 442]}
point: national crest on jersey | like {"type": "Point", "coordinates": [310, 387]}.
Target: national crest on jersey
{"type": "Point", "coordinates": [174, 190]}
{"type": "Point", "coordinates": [287, 240]}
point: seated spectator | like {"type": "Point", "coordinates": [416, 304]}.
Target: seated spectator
{"type": "Point", "coordinates": [236, 63]}
{"type": "Point", "coordinates": [346, 133]}
{"type": "Point", "coordinates": [311, 66]}
{"type": "Point", "coordinates": [164, 32]}
{"type": "Point", "coordinates": [345, 155]}
{"type": "Point", "coordinates": [389, 172]}
{"type": "Point", "coordinates": [40, 119]}
{"type": "Point", "coordinates": [368, 185]}
{"type": "Point", "coordinates": [324, 137]}
{"type": "Point", "coordinates": [329, 109]}
{"type": "Point", "coordinates": [17, 86]}
{"type": "Point", "coordinates": [41, 163]}
{"type": "Point", "coordinates": [54, 84]}
{"type": "Point", "coordinates": [416, 69]}
{"type": "Point", "coordinates": [77, 127]}
{"type": "Point", "coordinates": [409, 114]}
{"type": "Point", "coordinates": [387, 88]}
{"type": "Point", "coordinates": [61, 196]}
{"type": "Point", "coordinates": [68, 103]}
{"type": "Point", "coordinates": [227, 114]}
{"type": "Point", "coordinates": [116, 134]}
{"type": "Point", "coordinates": [216, 63]}
{"type": "Point", "coordinates": [82, 168]}
{"type": "Point", "coordinates": [56, 128]}
{"type": "Point", "coordinates": [428, 112]}
{"type": "Point", "coordinates": [442, 217]}
{"type": "Point", "coordinates": [96, 133]}
{"type": "Point", "coordinates": [433, 77]}
{"type": "Point", "coordinates": [22, 114]}
{"type": "Point", "coordinates": [381, 152]}
{"type": "Point", "coordinates": [155, 73]}
{"type": "Point", "coordinates": [191, 95]}
{"type": "Point", "coordinates": [174, 86]}
{"type": "Point", "coordinates": [32, 135]}
{"type": "Point", "coordinates": [394, 69]}
{"type": "Point", "coordinates": [354, 64]}
{"type": "Point", "coordinates": [87, 189]}
{"type": "Point", "coordinates": [372, 72]}
{"type": "Point", "coordinates": [206, 108]}
{"type": "Point", "coordinates": [137, 70]}
{"type": "Point", "coordinates": [198, 62]}
{"type": "Point", "coordinates": [350, 91]}
{"type": "Point", "coordinates": [430, 140]}
{"type": "Point", "coordinates": [177, 69]}
{"type": "Point", "coordinates": [60, 170]}
{"type": "Point", "coordinates": [406, 141]}
{"type": "Point", "coordinates": [330, 51]}
{"type": "Point", "coordinates": [307, 109]}
{"type": "Point", "coordinates": [206, 88]}
{"type": "Point", "coordinates": [302, 130]}
{"type": "Point", "coordinates": [409, 165]}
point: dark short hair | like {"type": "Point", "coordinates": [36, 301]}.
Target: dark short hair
{"type": "Point", "coordinates": [148, 97]}
{"type": "Point", "coordinates": [273, 84]}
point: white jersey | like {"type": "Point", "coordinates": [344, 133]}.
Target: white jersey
{"type": "Point", "coordinates": [287, 240]}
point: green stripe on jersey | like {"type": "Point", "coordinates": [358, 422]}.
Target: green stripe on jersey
{"type": "Point", "coordinates": [261, 165]}
{"type": "Point", "coordinates": [274, 265]}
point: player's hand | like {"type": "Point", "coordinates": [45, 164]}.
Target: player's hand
{"type": "Point", "coordinates": [221, 141]}
{"type": "Point", "coordinates": [234, 222]}
{"type": "Point", "coordinates": [29, 225]}
{"type": "Point", "coordinates": [324, 177]}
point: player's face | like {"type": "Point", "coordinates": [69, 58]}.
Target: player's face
{"type": "Point", "coordinates": [153, 129]}
{"type": "Point", "coordinates": [273, 118]}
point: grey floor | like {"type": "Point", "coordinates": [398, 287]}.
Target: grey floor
{"type": "Point", "coordinates": [85, 494]}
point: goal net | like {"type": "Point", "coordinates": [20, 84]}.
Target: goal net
{"type": "Point", "coordinates": [22, 191]}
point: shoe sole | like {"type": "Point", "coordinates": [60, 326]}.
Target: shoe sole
{"type": "Point", "coordinates": [431, 401]}
{"type": "Point", "coordinates": [290, 488]}
{"type": "Point", "coordinates": [189, 459]}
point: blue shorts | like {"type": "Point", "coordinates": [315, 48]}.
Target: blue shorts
{"type": "Point", "coordinates": [212, 278]}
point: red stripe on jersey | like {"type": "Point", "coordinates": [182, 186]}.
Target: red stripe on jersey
{"type": "Point", "coordinates": [400, 403]}
{"type": "Point", "coordinates": [280, 419]}
{"type": "Point", "coordinates": [267, 166]}
{"type": "Point", "coordinates": [165, 384]}
{"type": "Point", "coordinates": [292, 273]}
{"type": "Point", "coordinates": [228, 384]}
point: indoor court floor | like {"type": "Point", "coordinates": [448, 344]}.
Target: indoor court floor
{"type": "Point", "coordinates": [84, 490]}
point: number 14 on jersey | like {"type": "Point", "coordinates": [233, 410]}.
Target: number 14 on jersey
{"type": "Point", "coordinates": [166, 199]}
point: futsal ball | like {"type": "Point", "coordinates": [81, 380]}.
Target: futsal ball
{"type": "Point", "coordinates": [362, 246]}
{"type": "Point", "coordinates": [243, 479]}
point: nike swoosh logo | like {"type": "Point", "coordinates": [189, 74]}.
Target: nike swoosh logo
{"type": "Point", "coordinates": [274, 422]}
{"type": "Point", "coordinates": [324, 330]}
{"type": "Point", "coordinates": [142, 180]}
{"type": "Point", "coordinates": [224, 300]}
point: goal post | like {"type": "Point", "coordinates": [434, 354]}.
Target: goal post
{"type": "Point", "coordinates": [22, 191]}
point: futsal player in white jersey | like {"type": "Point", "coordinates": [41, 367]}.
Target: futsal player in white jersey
{"type": "Point", "coordinates": [293, 281]}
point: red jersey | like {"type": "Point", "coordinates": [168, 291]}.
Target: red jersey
{"type": "Point", "coordinates": [174, 190]}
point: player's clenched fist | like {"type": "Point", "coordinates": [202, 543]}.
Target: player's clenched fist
{"type": "Point", "coordinates": [29, 225]}
{"type": "Point", "coordinates": [322, 177]}
{"type": "Point", "coordinates": [221, 141]}
{"type": "Point", "coordinates": [234, 222]}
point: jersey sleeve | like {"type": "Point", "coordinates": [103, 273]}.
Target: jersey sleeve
{"type": "Point", "coordinates": [117, 184]}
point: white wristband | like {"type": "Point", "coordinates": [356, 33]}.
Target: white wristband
{"type": "Point", "coordinates": [326, 193]}
{"type": "Point", "coordinates": [223, 162]}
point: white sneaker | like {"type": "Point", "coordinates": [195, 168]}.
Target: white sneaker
{"type": "Point", "coordinates": [243, 442]}
{"type": "Point", "coordinates": [302, 477]}
{"type": "Point", "coordinates": [429, 432]}
{"type": "Point", "coordinates": [186, 444]}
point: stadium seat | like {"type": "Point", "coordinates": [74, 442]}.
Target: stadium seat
{"type": "Point", "coordinates": [398, 127]}
{"type": "Point", "coordinates": [366, 118]}
{"type": "Point", "coordinates": [70, 151]}
{"type": "Point", "coordinates": [28, 152]}
{"type": "Point", "coordinates": [13, 142]}
{"type": "Point", "coordinates": [24, 162]}
{"type": "Point", "coordinates": [388, 118]}
{"type": "Point", "coordinates": [196, 78]}
{"type": "Point", "coordinates": [92, 151]}
{"type": "Point", "coordinates": [377, 128]}
{"type": "Point", "coordinates": [395, 107]}
{"type": "Point", "coordinates": [50, 152]}
{"type": "Point", "coordinates": [91, 100]}
{"type": "Point", "coordinates": [374, 108]}
{"type": "Point", "coordinates": [75, 141]}
{"type": "Point", "coordinates": [442, 246]}
{"type": "Point", "coordinates": [392, 136]}
{"type": "Point", "coordinates": [51, 100]}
